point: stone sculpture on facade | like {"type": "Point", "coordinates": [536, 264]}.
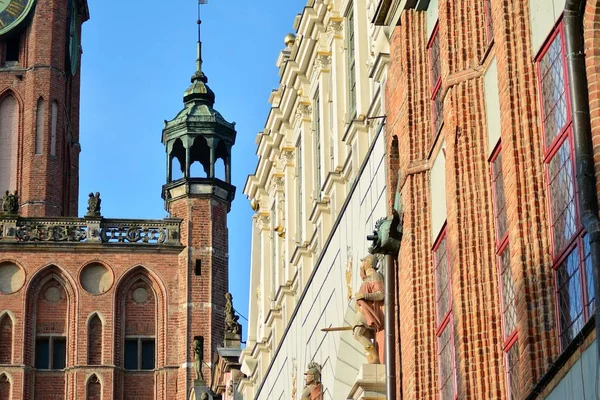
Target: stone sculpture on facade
{"type": "Point", "coordinates": [198, 360]}
{"type": "Point", "coordinates": [231, 320]}
{"type": "Point", "coordinates": [10, 204]}
{"type": "Point", "coordinates": [369, 324]}
{"type": "Point", "coordinates": [313, 389]}
{"type": "Point", "coordinates": [94, 205]}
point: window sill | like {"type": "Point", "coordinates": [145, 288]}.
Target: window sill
{"type": "Point", "coordinates": [563, 359]}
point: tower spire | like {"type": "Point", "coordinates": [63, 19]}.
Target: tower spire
{"type": "Point", "coordinates": [199, 22]}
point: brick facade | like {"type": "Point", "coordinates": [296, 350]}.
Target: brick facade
{"type": "Point", "coordinates": [85, 314]}
{"type": "Point", "coordinates": [466, 54]}
{"type": "Point", "coordinates": [47, 184]}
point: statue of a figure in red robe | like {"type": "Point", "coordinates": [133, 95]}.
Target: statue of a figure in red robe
{"type": "Point", "coordinates": [368, 327]}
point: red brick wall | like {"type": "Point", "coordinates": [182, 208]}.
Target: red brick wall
{"type": "Point", "coordinates": [48, 186]}
{"type": "Point", "coordinates": [471, 241]}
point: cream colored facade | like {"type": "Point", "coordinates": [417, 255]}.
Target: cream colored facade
{"type": "Point", "coordinates": [318, 189]}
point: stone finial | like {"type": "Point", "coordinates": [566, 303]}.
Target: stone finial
{"type": "Point", "coordinates": [10, 204]}
{"type": "Point", "coordinates": [94, 205]}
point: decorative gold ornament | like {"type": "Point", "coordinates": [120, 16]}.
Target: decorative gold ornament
{"type": "Point", "coordinates": [255, 205]}
{"type": "Point", "coordinates": [289, 40]}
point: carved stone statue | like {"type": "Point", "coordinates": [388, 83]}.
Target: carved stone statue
{"type": "Point", "coordinates": [94, 205]}
{"type": "Point", "coordinates": [313, 389]}
{"type": "Point", "coordinates": [198, 360]}
{"type": "Point", "coordinates": [231, 320]}
{"type": "Point", "coordinates": [369, 324]}
{"type": "Point", "coordinates": [10, 204]}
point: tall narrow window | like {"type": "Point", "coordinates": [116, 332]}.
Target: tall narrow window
{"type": "Point", "coordinates": [351, 61]}
{"type": "Point", "coordinates": [489, 24]}
{"type": "Point", "coordinates": [6, 335]}
{"type": "Point", "coordinates": [507, 285]}
{"type": "Point", "coordinates": [299, 190]}
{"type": "Point", "coordinates": [39, 126]}
{"type": "Point", "coordinates": [50, 322]}
{"type": "Point", "coordinates": [95, 341]}
{"type": "Point", "coordinates": [53, 128]}
{"type": "Point", "coordinates": [140, 311]}
{"type": "Point", "coordinates": [445, 328]}
{"type": "Point", "coordinates": [9, 123]}
{"type": "Point", "coordinates": [317, 140]}
{"type": "Point", "coordinates": [435, 73]}
{"type": "Point", "coordinates": [570, 243]}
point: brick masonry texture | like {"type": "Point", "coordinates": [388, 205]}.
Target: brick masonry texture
{"type": "Point", "coordinates": [52, 302]}
{"type": "Point", "coordinates": [465, 56]}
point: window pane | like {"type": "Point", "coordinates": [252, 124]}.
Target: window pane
{"type": "Point", "coordinates": [500, 200]}
{"type": "Point", "coordinates": [508, 294]}
{"type": "Point", "coordinates": [554, 103]}
{"type": "Point", "coordinates": [131, 354]}
{"type": "Point", "coordinates": [438, 110]}
{"type": "Point", "coordinates": [562, 196]}
{"type": "Point", "coordinates": [512, 371]}
{"type": "Point", "coordinates": [59, 354]}
{"type": "Point", "coordinates": [42, 353]}
{"type": "Point", "coordinates": [442, 281]}
{"type": "Point", "coordinates": [568, 281]}
{"type": "Point", "coordinates": [446, 363]}
{"type": "Point", "coordinates": [488, 20]}
{"type": "Point", "coordinates": [589, 276]}
{"type": "Point", "coordinates": [434, 59]}
{"type": "Point", "coordinates": [148, 354]}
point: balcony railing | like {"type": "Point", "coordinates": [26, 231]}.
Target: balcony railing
{"type": "Point", "coordinates": [90, 230]}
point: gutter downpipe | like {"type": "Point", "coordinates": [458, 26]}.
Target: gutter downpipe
{"type": "Point", "coordinates": [582, 129]}
{"type": "Point", "coordinates": [390, 354]}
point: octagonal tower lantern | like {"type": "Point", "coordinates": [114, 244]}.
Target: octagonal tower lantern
{"type": "Point", "coordinates": [198, 134]}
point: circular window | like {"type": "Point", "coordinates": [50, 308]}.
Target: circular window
{"type": "Point", "coordinates": [52, 294]}
{"type": "Point", "coordinates": [140, 295]}
{"type": "Point", "coordinates": [12, 278]}
{"type": "Point", "coordinates": [96, 278]}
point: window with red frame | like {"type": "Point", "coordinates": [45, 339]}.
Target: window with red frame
{"type": "Point", "coordinates": [444, 324]}
{"type": "Point", "coordinates": [489, 24]}
{"type": "Point", "coordinates": [570, 243]}
{"type": "Point", "coordinates": [510, 344]}
{"type": "Point", "coordinates": [437, 105]}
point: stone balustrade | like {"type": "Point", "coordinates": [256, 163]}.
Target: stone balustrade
{"type": "Point", "coordinates": [90, 230]}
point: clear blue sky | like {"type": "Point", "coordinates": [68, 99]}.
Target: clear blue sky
{"type": "Point", "coordinates": [138, 57]}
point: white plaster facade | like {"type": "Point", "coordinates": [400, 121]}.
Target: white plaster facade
{"type": "Point", "coordinates": [318, 189]}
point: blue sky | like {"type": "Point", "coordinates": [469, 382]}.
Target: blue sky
{"type": "Point", "coordinates": [137, 60]}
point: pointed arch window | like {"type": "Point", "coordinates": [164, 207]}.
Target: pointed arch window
{"type": "Point", "coordinates": [50, 322]}
{"type": "Point", "coordinates": [39, 126]}
{"type": "Point", "coordinates": [9, 123]}
{"type": "Point", "coordinates": [94, 388]}
{"type": "Point", "coordinates": [95, 341]}
{"type": "Point", "coordinates": [6, 336]}
{"type": "Point", "coordinates": [5, 387]}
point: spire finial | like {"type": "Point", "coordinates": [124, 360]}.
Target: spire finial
{"type": "Point", "coordinates": [199, 75]}
{"type": "Point", "coordinates": [199, 22]}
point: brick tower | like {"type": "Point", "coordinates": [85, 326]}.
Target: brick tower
{"type": "Point", "coordinates": [200, 136]}
{"type": "Point", "coordinates": [39, 103]}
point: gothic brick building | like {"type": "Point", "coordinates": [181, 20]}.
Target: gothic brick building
{"type": "Point", "coordinates": [94, 308]}
{"type": "Point", "coordinates": [495, 291]}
